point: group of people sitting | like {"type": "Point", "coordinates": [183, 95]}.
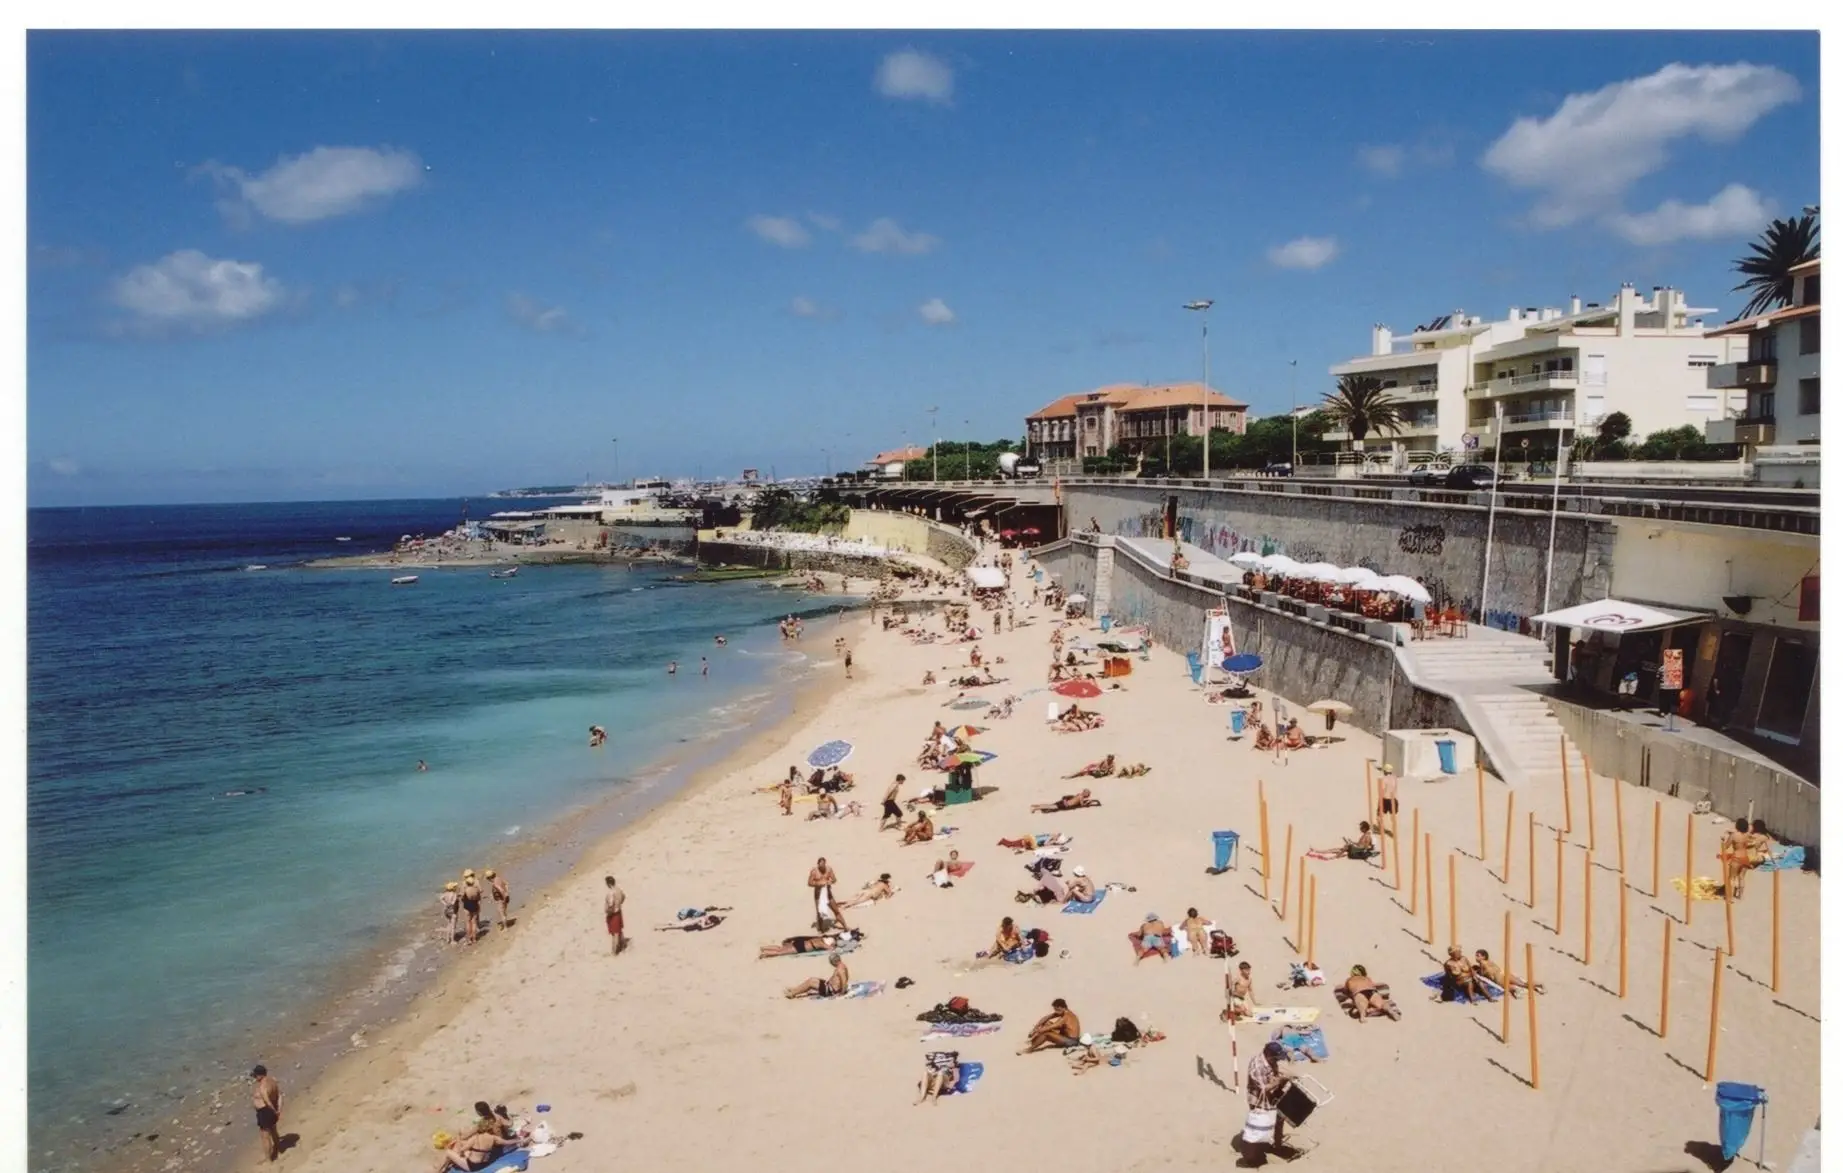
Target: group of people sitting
{"type": "Point", "coordinates": [492, 1136]}
{"type": "Point", "coordinates": [1462, 977]}
{"type": "Point", "coordinates": [1048, 886]}
{"type": "Point", "coordinates": [1075, 719]}
{"type": "Point", "coordinates": [1741, 851]}
{"type": "Point", "coordinates": [1105, 768]}
{"type": "Point", "coordinates": [1291, 737]}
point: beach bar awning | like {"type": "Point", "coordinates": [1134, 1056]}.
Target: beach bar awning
{"type": "Point", "coordinates": [986, 578]}
{"type": "Point", "coordinates": [1618, 617]}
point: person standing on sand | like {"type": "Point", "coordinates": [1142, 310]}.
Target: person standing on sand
{"type": "Point", "coordinates": [892, 809]}
{"type": "Point", "coordinates": [470, 905]}
{"type": "Point", "coordinates": [266, 1098]}
{"type": "Point", "coordinates": [612, 904]}
{"type": "Point", "coordinates": [502, 895]}
{"type": "Point", "coordinates": [820, 880]}
{"type": "Point", "coordinates": [847, 663]}
{"type": "Point", "coordinates": [1389, 803]}
{"type": "Point", "coordinates": [787, 796]}
{"type": "Point", "coordinates": [451, 906]}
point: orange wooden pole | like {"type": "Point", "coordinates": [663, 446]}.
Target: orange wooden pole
{"type": "Point", "coordinates": [1428, 842]}
{"type": "Point", "coordinates": [1311, 924]}
{"type": "Point", "coordinates": [1727, 900]}
{"type": "Point", "coordinates": [1414, 864]}
{"type": "Point", "coordinates": [1532, 861]}
{"type": "Point", "coordinates": [1560, 905]}
{"type": "Point", "coordinates": [1663, 996]}
{"type": "Point", "coordinates": [1593, 838]}
{"type": "Point", "coordinates": [1619, 822]}
{"type": "Point", "coordinates": [1567, 791]}
{"type": "Point", "coordinates": [1708, 1068]}
{"type": "Point", "coordinates": [1622, 932]}
{"type": "Point", "coordinates": [1510, 822]}
{"type": "Point", "coordinates": [1286, 876]}
{"type": "Point", "coordinates": [1775, 931]}
{"type": "Point", "coordinates": [1689, 863]}
{"type": "Point", "coordinates": [1657, 846]}
{"type": "Point", "coordinates": [1452, 898]}
{"type": "Point", "coordinates": [1299, 929]}
{"type": "Point", "coordinates": [1266, 854]}
{"type": "Point", "coordinates": [1503, 1029]}
{"type": "Point", "coordinates": [1395, 841]}
{"type": "Point", "coordinates": [1369, 793]}
{"type": "Point", "coordinates": [1483, 849]}
{"type": "Point", "coordinates": [1587, 910]}
{"type": "Point", "coordinates": [1535, 1051]}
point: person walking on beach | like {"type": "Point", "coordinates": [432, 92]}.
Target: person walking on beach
{"type": "Point", "coordinates": [892, 809]}
{"type": "Point", "coordinates": [451, 906]}
{"type": "Point", "coordinates": [611, 914]}
{"type": "Point", "coordinates": [266, 1098]}
{"type": "Point", "coordinates": [820, 880]}
{"type": "Point", "coordinates": [847, 663]}
{"type": "Point", "coordinates": [502, 895]}
{"type": "Point", "coordinates": [470, 905]}
{"type": "Point", "coordinates": [787, 796]}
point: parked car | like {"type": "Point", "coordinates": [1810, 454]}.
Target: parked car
{"type": "Point", "coordinates": [1475, 476]}
{"type": "Point", "coordinates": [1428, 475]}
{"type": "Point", "coordinates": [1280, 468]}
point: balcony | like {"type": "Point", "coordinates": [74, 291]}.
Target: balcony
{"type": "Point", "coordinates": [1524, 421]}
{"type": "Point", "coordinates": [1522, 384]}
{"type": "Point", "coordinates": [1414, 392]}
{"type": "Point", "coordinates": [1754, 373]}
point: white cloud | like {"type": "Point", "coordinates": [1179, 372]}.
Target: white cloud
{"type": "Point", "coordinates": [64, 466]}
{"type": "Point", "coordinates": [912, 75]}
{"type": "Point", "coordinates": [806, 307]}
{"type": "Point", "coordinates": [537, 317]}
{"type": "Point", "coordinates": [1735, 210]}
{"type": "Point", "coordinates": [188, 290]}
{"type": "Point", "coordinates": [1581, 160]}
{"type": "Point", "coordinates": [934, 311]}
{"type": "Point", "coordinates": [1383, 160]}
{"type": "Point", "coordinates": [324, 182]}
{"type": "Point", "coordinates": [1306, 252]}
{"type": "Point", "coordinates": [784, 231]}
{"type": "Point", "coordinates": [886, 236]}
{"type": "Point", "coordinates": [828, 223]}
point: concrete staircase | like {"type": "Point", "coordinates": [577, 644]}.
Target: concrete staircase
{"type": "Point", "coordinates": [1484, 674]}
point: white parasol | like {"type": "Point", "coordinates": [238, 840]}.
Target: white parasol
{"type": "Point", "coordinates": [1249, 559]}
{"type": "Point", "coordinates": [1407, 588]}
{"type": "Point", "coordinates": [1322, 571]}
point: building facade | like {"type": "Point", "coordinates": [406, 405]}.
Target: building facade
{"type": "Point", "coordinates": [1131, 416]}
{"type": "Point", "coordinates": [1778, 373]}
{"type": "Point", "coordinates": [1462, 380]}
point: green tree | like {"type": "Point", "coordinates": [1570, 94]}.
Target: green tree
{"type": "Point", "coordinates": [778, 509]}
{"type": "Point", "coordinates": [1768, 268]}
{"type": "Point", "coordinates": [1609, 441]}
{"type": "Point", "coordinates": [1360, 406]}
{"type": "Point", "coordinates": [1680, 443]}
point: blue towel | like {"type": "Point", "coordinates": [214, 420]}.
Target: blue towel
{"type": "Point", "coordinates": [1081, 907]}
{"type": "Point", "coordinates": [519, 1159]}
{"type": "Point", "coordinates": [1303, 1041]}
{"type": "Point", "coordinates": [969, 1075]}
{"type": "Point", "coordinates": [1436, 981]}
{"type": "Point", "coordinates": [1020, 955]}
{"type": "Point", "coordinates": [1788, 859]}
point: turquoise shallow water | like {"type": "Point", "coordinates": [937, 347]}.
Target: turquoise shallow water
{"type": "Point", "coordinates": [168, 922]}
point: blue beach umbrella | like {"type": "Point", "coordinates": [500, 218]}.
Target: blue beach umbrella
{"type": "Point", "coordinates": [829, 754]}
{"type": "Point", "coordinates": [1245, 662]}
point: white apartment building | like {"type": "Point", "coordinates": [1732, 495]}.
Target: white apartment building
{"type": "Point", "coordinates": [1538, 369]}
{"type": "Point", "coordinates": [1778, 373]}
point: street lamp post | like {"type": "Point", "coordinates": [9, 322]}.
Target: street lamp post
{"type": "Point", "coordinates": [1202, 307]}
{"type": "Point", "coordinates": [616, 441]}
{"type": "Point", "coordinates": [968, 424]}
{"type": "Point", "coordinates": [934, 450]}
{"type": "Point", "coordinates": [1293, 385]}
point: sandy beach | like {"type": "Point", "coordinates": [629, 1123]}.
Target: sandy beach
{"type": "Point", "coordinates": [682, 1053]}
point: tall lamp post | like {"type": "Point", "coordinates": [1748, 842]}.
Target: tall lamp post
{"type": "Point", "coordinates": [1293, 385]}
{"type": "Point", "coordinates": [1202, 307]}
{"type": "Point", "coordinates": [616, 441]}
{"type": "Point", "coordinates": [934, 449]}
{"type": "Point", "coordinates": [968, 424]}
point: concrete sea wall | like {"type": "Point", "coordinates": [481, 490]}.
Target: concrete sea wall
{"type": "Point", "coordinates": [912, 534]}
{"type": "Point", "coordinates": [719, 553]}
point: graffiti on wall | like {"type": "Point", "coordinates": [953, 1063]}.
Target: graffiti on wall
{"type": "Point", "coordinates": [1422, 539]}
{"type": "Point", "coordinates": [1218, 538]}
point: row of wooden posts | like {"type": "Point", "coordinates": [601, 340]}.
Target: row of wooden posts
{"type": "Point", "coordinates": [1305, 935]}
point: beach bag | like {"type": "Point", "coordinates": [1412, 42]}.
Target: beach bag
{"type": "Point", "coordinates": [1259, 1126]}
{"type": "Point", "coordinates": [958, 1004]}
{"type": "Point", "coordinates": [1124, 1031]}
{"type": "Point", "coordinates": [1221, 944]}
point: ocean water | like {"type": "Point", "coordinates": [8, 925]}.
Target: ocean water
{"type": "Point", "coordinates": [169, 923]}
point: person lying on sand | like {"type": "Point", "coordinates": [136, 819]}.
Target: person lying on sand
{"type": "Point", "coordinates": [1081, 888]}
{"type": "Point", "coordinates": [1136, 770]}
{"type": "Point", "coordinates": [1363, 847]}
{"type": "Point", "coordinates": [833, 986]}
{"type": "Point", "coordinates": [697, 925]}
{"type": "Point", "coordinates": [1068, 802]}
{"type": "Point", "coordinates": [1494, 973]}
{"type": "Point", "coordinates": [476, 1150]}
{"type": "Point", "coordinates": [1196, 931]}
{"type": "Point", "coordinates": [940, 1073]}
{"type": "Point", "coordinates": [1037, 842]}
{"type": "Point", "coordinates": [920, 831]}
{"type": "Point", "coordinates": [1100, 769]}
{"type": "Point", "coordinates": [1152, 937]}
{"type": "Point", "coordinates": [1058, 1028]}
{"type": "Point", "coordinates": [811, 943]}
{"type": "Point", "coordinates": [878, 889]}
{"type": "Point", "coordinates": [1459, 978]}
{"type": "Point", "coordinates": [1366, 998]}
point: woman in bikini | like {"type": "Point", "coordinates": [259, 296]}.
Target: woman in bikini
{"type": "Point", "coordinates": [1100, 769]}
{"type": "Point", "coordinates": [1363, 847]}
{"type": "Point", "coordinates": [1732, 852]}
{"type": "Point", "coordinates": [1068, 802]}
{"type": "Point", "coordinates": [470, 905]}
{"type": "Point", "coordinates": [476, 1150]}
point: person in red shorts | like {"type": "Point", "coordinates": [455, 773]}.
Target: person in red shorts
{"type": "Point", "coordinates": [611, 910]}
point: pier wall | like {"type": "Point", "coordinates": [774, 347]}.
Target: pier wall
{"type": "Point", "coordinates": [912, 534]}
{"type": "Point", "coordinates": [793, 561]}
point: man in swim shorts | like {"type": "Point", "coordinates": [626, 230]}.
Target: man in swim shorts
{"type": "Point", "coordinates": [266, 1098]}
{"type": "Point", "coordinates": [611, 912]}
{"type": "Point", "coordinates": [892, 808]}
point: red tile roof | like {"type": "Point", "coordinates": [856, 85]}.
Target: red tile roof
{"type": "Point", "coordinates": [1136, 397]}
{"type": "Point", "coordinates": [895, 455]}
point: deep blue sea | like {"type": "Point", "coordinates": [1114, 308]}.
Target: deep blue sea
{"type": "Point", "coordinates": [170, 923]}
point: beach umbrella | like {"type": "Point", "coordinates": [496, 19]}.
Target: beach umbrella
{"type": "Point", "coordinates": [1351, 575]}
{"type": "Point", "coordinates": [977, 757]}
{"type": "Point", "coordinates": [1249, 559]}
{"type": "Point", "coordinates": [829, 754]}
{"type": "Point", "coordinates": [1079, 689]}
{"type": "Point", "coordinates": [1243, 663]}
{"type": "Point", "coordinates": [1329, 706]}
{"type": "Point", "coordinates": [1407, 588]}
{"type": "Point", "coordinates": [1322, 571]}
{"type": "Point", "coordinates": [1078, 598]}
{"type": "Point", "coordinates": [965, 731]}
{"type": "Point", "coordinates": [1368, 580]}
{"type": "Point", "coordinates": [1280, 564]}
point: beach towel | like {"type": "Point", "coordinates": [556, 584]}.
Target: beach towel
{"type": "Point", "coordinates": [1787, 859]}
{"type": "Point", "coordinates": [969, 1075]}
{"type": "Point", "coordinates": [863, 989]}
{"type": "Point", "coordinates": [518, 1159]}
{"type": "Point", "coordinates": [1436, 982]}
{"type": "Point", "coordinates": [1303, 1043]}
{"type": "Point", "coordinates": [961, 1030]}
{"type": "Point", "coordinates": [1020, 955]}
{"type": "Point", "coordinates": [1285, 1015]}
{"type": "Point", "coordinates": [1703, 887]}
{"type": "Point", "coordinates": [1084, 907]}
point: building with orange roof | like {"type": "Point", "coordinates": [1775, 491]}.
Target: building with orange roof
{"type": "Point", "coordinates": [1133, 416]}
{"type": "Point", "coordinates": [1780, 374]}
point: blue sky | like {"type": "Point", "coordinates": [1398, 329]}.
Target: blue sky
{"type": "Point", "coordinates": [275, 266]}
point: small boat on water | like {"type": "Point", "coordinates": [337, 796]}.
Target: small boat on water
{"type": "Point", "coordinates": [342, 539]}
{"type": "Point", "coordinates": [405, 580]}
{"type": "Point", "coordinates": [508, 572]}
{"type": "Point", "coordinates": [256, 566]}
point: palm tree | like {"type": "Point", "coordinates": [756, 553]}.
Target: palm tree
{"type": "Point", "coordinates": [1768, 269]}
{"type": "Point", "coordinates": [1361, 406]}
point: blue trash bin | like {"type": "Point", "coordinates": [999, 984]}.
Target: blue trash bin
{"type": "Point", "coordinates": [1225, 848]}
{"type": "Point", "coordinates": [1107, 623]}
{"type": "Point", "coordinates": [1195, 661]}
{"type": "Point", "coordinates": [1736, 1102]}
{"type": "Point", "coordinates": [1449, 756]}
{"type": "Point", "coordinates": [1238, 721]}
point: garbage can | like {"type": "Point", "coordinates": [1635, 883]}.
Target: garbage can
{"type": "Point", "coordinates": [1736, 1102]}
{"type": "Point", "coordinates": [1449, 756]}
{"type": "Point", "coordinates": [1238, 721]}
{"type": "Point", "coordinates": [1225, 848]}
{"type": "Point", "coordinates": [1196, 666]}
{"type": "Point", "coordinates": [1106, 623]}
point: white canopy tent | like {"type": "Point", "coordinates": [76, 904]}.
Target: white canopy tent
{"type": "Point", "coordinates": [1618, 617]}
{"type": "Point", "coordinates": [986, 578]}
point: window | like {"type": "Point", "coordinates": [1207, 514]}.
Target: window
{"type": "Point", "coordinates": [1788, 691]}
{"type": "Point", "coordinates": [1701, 361]}
{"type": "Point", "coordinates": [1708, 403]}
{"type": "Point", "coordinates": [1807, 397]}
{"type": "Point", "coordinates": [1810, 335]}
{"type": "Point", "coordinates": [1810, 292]}
{"type": "Point", "coordinates": [1763, 346]}
{"type": "Point", "coordinates": [1768, 403]}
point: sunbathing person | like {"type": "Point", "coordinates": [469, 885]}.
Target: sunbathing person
{"type": "Point", "coordinates": [1367, 998]}
{"type": "Point", "coordinates": [811, 943]}
{"type": "Point", "coordinates": [1152, 937]}
{"type": "Point", "coordinates": [1196, 930]}
{"type": "Point", "coordinates": [1240, 986]}
{"type": "Point", "coordinates": [920, 831]}
{"type": "Point", "coordinates": [1068, 802]}
{"type": "Point", "coordinates": [827, 807]}
{"type": "Point", "coordinates": [927, 678]}
{"type": "Point", "coordinates": [695, 925]}
{"type": "Point", "coordinates": [878, 889]}
{"type": "Point", "coordinates": [1081, 888]}
{"type": "Point", "coordinates": [941, 1073]}
{"type": "Point", "coordinates": [1263, 737]}
{"type": "Point", "coordinates": [1007, 939]}
{"type": "Point", "coordinates": [1100, 769]}
{"type": "Point", "coordinates": [1459, 978]}
{"type": "Point", "coordinates": [1482, 963]}
{"type": "Point", "coordinates": [1049, 890]}
{"type": "Point", "coordinates": [1058, 1028]}
{"type": "Point", "coordinates": [476, 1150]}
{"type": "Point", "coordinates": [1732, 852]}
{"type": "Point", "coordinates": [1295, 736]}
{"type": "Point", "coordinates": [1363, 847]}
{"type": "Point", "coordinates": [1037, 842]}
{"type": "Point", "coordinates": [833, 986]}
{"type": "Point", "coordinates": [1136, 770]}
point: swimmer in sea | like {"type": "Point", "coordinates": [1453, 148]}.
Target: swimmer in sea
{"type": "Point", "coordinates": [597, 735]}
{"type": "Point", "coordinates": [672, 668]}
{"type": "Point", "coordinates": [722, 641]}
{"type": "Point", "coordinates": [422, 767]}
